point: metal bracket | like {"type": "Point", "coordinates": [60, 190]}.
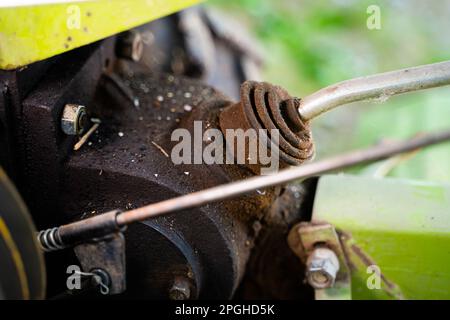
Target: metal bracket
{"type": "Point", "coordinates": [305, 237]}
{"type": "Point", "coordinates": [107, 255]}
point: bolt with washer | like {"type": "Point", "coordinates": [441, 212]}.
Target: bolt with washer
{"type": "Point", "coordinates": [181, 289]}
{"type": "Point", "coordinates": [130, 45]}
{"type": "Point", "coordinates": [74, 119]}
{"type": "Point", "coordinates": [322, 268]}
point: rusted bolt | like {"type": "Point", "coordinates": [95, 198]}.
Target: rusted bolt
{"type": "Point", "coordinates": [130, 45]}
{"type": "Point", "coordinates": [181, 289]}
{"type": "Point", "coordinates": [73, 120]}
{"type": "Point", "coordinates": [322, 268]}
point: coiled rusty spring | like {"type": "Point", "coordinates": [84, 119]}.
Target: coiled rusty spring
{"type": "Point", "coordinates": [269, 107]}
{"type": "Point", "coordinates": [50, 240]}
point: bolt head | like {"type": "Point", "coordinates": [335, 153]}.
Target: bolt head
{"type": "Point", "coordinates": [131, 46]}
{"type": "Point", "coordinates": [322, 268]}
{"type": "Point", "coordinates": [73, 120]}
{"type": "Point", "coordinates": [180, 290]}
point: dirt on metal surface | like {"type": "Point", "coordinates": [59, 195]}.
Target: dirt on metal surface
{"type": "Point", "coordinates": [125, 165]}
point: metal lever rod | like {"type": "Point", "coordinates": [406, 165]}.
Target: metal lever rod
{"type": "Point", "coordinates": [378, 86]}
{"type": "Point", "coordinates": [296, 173]}
{"type": "Point", "coordinates": [105, 224]}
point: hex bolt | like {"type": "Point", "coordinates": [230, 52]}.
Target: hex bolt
{"type": "Point", "coordinates": [180, 290]}
{"type": "Point", "coordinates": [73, 120]}
{"type": "Point", "coordinates": [130, 45]}
{"type": "Point", "coordinates": [322, 268]}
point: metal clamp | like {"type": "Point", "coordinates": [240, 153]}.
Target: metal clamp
{"type": "Point", "coordinates": [319, 247]}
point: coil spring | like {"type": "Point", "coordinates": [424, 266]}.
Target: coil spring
{"type": "Point", "coordinates": [50, 240]}
{"type": "Point", "coordinates": [271, 107]}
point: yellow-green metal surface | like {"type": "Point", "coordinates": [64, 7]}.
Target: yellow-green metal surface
{"type": "Point", "coordinates": [33, 33]}
{"type": "Point", "coordinates": [401, 227]}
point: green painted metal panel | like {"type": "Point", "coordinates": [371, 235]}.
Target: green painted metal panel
{"type": "Point", "coordinates": [402, 226]}
{"type": "Point", "coordinates": [33, 33]}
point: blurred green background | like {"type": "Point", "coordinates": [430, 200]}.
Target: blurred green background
{"type": "Point", "coordinates": [309, 44]}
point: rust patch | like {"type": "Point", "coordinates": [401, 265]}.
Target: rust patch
{"type": "Point", "coordinates": [269, 107]}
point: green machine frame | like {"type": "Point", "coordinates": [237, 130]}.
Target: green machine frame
{"type": "Point", "coordinates": [32, 33]}
{"type": "Point", "coordinates": [394, 229]}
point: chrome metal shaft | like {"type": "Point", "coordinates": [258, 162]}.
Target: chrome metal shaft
{"type": "Point", "coordinates": [378, 86]}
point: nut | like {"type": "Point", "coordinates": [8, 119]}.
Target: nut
{"type": "Point", "coordinates": [181, 289]}
{"type": "Point", "coordinates": [322, 268]}
{"type": "Point", "coordinates": [131, 45]}
{"type": "Point", "coordinates": [73, 120]}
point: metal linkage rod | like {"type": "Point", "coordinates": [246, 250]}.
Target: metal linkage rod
{"type": "Point", "coordinates": [105, 224]}
{"type": "Point", "coordinates": [296, 173]}
{"type": "Point", "coordinates": [378, 86]}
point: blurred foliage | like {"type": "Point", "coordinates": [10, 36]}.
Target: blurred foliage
{"type": "Point", "coordinates": [309, 44]}
{"type": "Point", "coordinates": [326, 41]}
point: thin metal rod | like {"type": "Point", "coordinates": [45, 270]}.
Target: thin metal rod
{"type": "Point", "coordinates": [379, 86]}
{"type": "Point", "coordinates": [297, 173]}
